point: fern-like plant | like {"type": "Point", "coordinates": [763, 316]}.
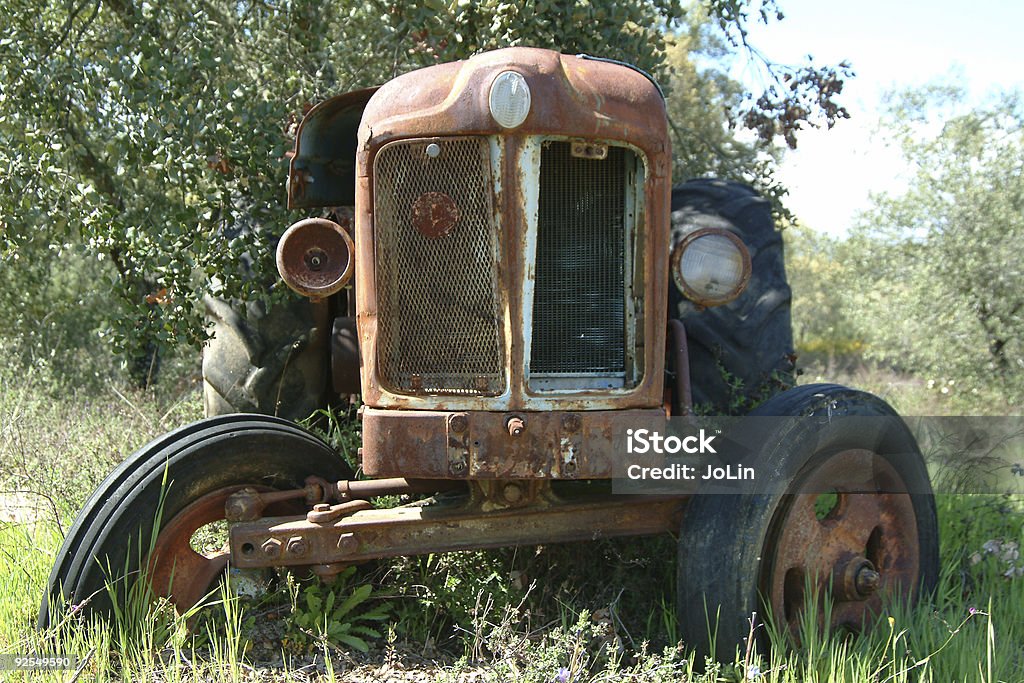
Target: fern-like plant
{"type": "Point", "coordinates": [337, 614]}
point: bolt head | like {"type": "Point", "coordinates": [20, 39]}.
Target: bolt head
{"type": "Point", "coordinates": [347, 543]}
{"type": "Point", "coordinates": [297, 545]}
{"type": "Point", "coordinates": [271, 547]}
{"type": "Point", "coordinates": [516, 426]}
{"type": "Point", "coordinates": [234, 509]}
{"type": "Point", "coordinates": [512, 493]}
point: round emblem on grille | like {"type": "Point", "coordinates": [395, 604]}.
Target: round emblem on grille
{"type": "Point", "coordinates": [434, 214]}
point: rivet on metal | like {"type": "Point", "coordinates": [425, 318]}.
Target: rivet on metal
{"type": "Point", "coordinates": [458, 423]}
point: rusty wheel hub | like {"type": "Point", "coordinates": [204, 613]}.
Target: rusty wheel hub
{"type": "Point", "coordinates": [851, 546]}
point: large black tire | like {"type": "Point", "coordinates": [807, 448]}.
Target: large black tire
{"type": "Point", "coordinates": [272, 362]}
{"type": "Point", "coordinates": [740, 353]}
{"type": "Point", "coordinates": [736, 551]}
{"type": "Point", "coordinates": [115, 528]}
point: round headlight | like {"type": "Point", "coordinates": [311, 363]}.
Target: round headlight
{"type": "Point", "coordinates": [711, 266]}
{"type": "Point", "coordinates": [316, 257]}
{"type": "Point", "coordinates": [509, 100]}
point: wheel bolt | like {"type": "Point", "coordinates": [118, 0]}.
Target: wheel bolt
{"type": "Point", "coordinates": [234, 509]}
{"type": "Point", "coordinates": [867, 581]}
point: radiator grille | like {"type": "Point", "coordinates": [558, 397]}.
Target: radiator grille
{"type": "Point", "coordinates": [439, 321]}
{"type": "Point", "coordinates": [579, 299]}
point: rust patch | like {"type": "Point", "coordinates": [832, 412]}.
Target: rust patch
{"type": "Point", "coordinates": [480, 445]}
{"type": "Point", "coordinates": [434, 215]}
{"type": "Point", "coordinates": [315, 257]}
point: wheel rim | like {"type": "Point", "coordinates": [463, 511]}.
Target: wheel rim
{"type": "Point", "coordinates": [863, 546]}
{"type": "Point", "coordinates": [178, 572]}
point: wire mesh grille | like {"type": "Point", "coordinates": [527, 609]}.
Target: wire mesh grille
{"type": "Point", "coordinates": [439, 321]}
{"type": "Point", "coordinates": [579, 299]}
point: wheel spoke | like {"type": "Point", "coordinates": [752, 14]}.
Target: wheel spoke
{"type": "Point", "coordinates": [185, 578]}
{"type": "Point", "coordinates": [802, 538]}
{"type": "Point", "coordinates": [799, 558]}
{"type": "Point", "coordinates": [178, 572]}
{"type": "Point", "coordinates": [855, 615]}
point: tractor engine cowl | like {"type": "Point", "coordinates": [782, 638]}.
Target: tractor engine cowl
{"type": "Point", "coordinates": [511, 223]}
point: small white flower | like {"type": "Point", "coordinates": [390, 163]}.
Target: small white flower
{"type": "Point", "coordinates": [754, 672]}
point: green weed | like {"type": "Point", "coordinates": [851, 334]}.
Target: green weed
{"type": "Point", "coordinates": [588, 611]}
{"type": "Point", "coordinates": [335, 614]}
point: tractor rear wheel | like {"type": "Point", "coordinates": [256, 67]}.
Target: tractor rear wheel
{"type": "Point", "coordinates": [272, 361]}
{"type": "Point", "coordinates": [742, 352]}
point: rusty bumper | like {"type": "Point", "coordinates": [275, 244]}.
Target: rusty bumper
{"type": "Point", "coordinates": [497, 445]}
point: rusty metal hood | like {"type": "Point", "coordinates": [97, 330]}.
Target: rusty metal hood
{"type": "Point", "coordinates": [605, 99]}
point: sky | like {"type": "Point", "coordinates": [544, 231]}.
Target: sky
{"type": "Point", "coordinates": [891, 46]}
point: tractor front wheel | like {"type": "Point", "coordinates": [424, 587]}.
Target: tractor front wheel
{"type": "Point", "coordinates": [142, 520]}
{"type": "Point", "coordinates": [850, 523]}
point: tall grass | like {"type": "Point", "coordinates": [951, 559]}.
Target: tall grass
{"type": "Point", "coordinates": [601, 612]}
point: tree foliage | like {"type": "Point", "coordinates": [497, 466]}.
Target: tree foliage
{"type": "Point", "coordinates": [702, 102]}
{"type": "Point", "coordinates": [820, 269]}
{"type": "Point", "coordinates": [149, 138]}
{"type": "Point", "coordinates": [941, 286]}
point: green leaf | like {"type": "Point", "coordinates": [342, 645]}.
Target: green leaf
{"type": "Point", "coordinates": [359, 595]}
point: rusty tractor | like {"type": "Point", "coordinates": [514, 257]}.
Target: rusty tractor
{"type": "Point", "coordinates": [518, 286]}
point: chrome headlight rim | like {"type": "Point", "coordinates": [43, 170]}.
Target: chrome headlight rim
{"type": "Point", "coordinates": [692, 294]}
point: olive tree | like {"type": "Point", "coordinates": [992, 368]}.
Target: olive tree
{"type": "Point", "coordinates": [150, 139]}
{"type": "Point", "coordinates": [941, 281]}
